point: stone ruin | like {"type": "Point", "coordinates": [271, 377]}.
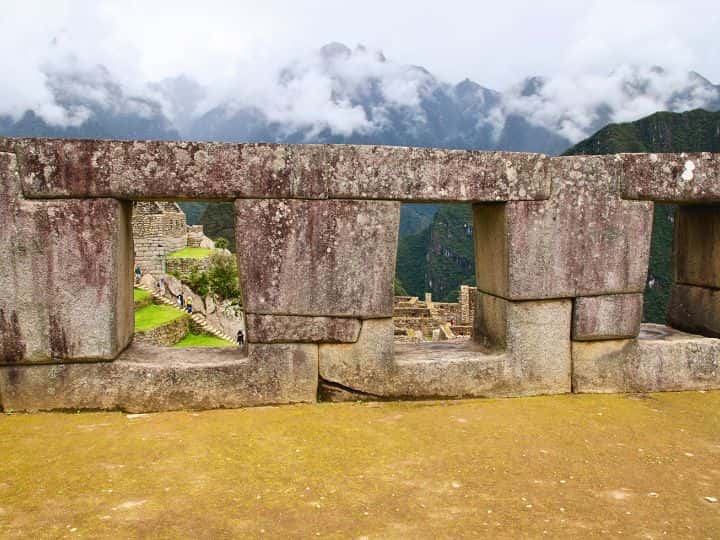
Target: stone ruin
{"type": "Point", "coordinates": [561, 246]}
{"type": "Point", "coordinates": [158, 229]}
{"type": "Point", "coordinates": [416, 320]}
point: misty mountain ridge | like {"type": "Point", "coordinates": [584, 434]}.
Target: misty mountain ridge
{"type": "Point", "coordinates": [343, 95]}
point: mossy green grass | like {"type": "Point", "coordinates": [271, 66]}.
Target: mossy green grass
{"type": "Point", "coordinates": [191, 253]}
{"type": "Point", "coordinates": [155, 315]}
{"type": "Point", "coordinates": [203, 340]}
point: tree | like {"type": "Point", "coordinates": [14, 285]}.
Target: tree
{"type": "Point", "coordinates": [221, 243]}
{"type": "Point", "coordinates": [223, 276]}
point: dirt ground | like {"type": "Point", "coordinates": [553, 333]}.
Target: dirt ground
{"type": "Point", "coordinates": [565, 466]}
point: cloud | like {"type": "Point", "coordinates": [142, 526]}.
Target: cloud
{"type": "Point", "coordinates": [575, 107]}
{"type": "Point", "coordinates": [126, 55]}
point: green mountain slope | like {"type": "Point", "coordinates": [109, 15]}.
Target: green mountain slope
{"type": "Point", "coordinates": [439, 258]}
{"type": "Point", "coordinates": [218, 220]}
{"type": "Point", "coordinates": [693, 131]}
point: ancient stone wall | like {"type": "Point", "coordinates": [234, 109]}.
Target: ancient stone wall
{"type": "Point", "coordinates": [159, 228]}
{"type": "Point", "coordinates": [561, 255]}
{"type": "Point", "coordinates": [467, 304]}
{"type": "Point", "coordinates": [185, 265]}
{"type": "Point", "coordinates": [167, 334]}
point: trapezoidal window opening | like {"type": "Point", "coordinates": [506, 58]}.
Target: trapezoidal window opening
{"type": "Point", "coordinates": [660, 279]}
{"type": "Point", "coordinates": [694, 303]}
{"type": "Point", "coordinates": [187, 292]}
{"type": "Point", "coordinates": [435, 273]}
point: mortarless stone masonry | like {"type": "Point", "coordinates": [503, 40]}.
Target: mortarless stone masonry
{"type": "Point", "coordinates": [317, 255]}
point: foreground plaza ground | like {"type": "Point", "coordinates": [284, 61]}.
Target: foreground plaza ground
{"type": "Point", "coordinates": [572, 466]}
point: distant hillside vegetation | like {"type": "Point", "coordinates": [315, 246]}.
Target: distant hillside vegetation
{"type": "Point", "coordinates": [439, 258]}
{"type": "Point", "coordinates": [693, 131]}
{"type": "Point", "coordinates": [218, 220]}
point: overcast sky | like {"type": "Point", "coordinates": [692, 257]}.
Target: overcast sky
{"type": "Point", "coordinates": [495, 43]}
{"type": "Point", "coordinates": [235, 49]}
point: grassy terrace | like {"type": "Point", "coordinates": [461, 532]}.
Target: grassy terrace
{"type": "Point", "coordinates": [546, 467]}
{"type": "Point", "coordinates": [139, 295]}
{"type": "Point", "coordinates": [195, 340]}
{"type": "Point", "coordinates": [191, 253]}
{"type": "Point", "coordinates": [154, 315]}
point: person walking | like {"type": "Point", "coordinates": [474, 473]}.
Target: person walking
{"type": "Point", "coordinates": [180, 300]}
{"type": "Point", "coordinates": [188, 304]}
{"type": "Point", "coordinates": [240, 338]}
{"type": "Point", "coordinates": [138, 274]}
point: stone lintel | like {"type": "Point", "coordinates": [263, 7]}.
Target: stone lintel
{"type": "Point", "coordinates": [614, 316]}
{"type": "Point", "coordinates": [695, 309]}
{"type": "Point", "coordinates": [672, 178]}
{"type": "Point", "coordinates": [143, 170]}
{"type": "Point", "coordinates": [298, 329]}
{"type": "Point", "coordinates": [663, 359]}
{"type": "Point", "coordinates": [148, 379]}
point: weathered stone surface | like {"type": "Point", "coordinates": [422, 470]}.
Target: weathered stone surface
{"type": "Point", "coordinates": [697, 245]}
{"type": "Point", "coordinates": [607, 317]}
{"type": "Point", "coordinates": [665, 359]}
{"type": "Point", "coordinates": [536, 362]}
{"type": "Point", "coordinates": [671, 177]}
{"type": "Point", "coordinates": [428, 174]}
{"type": "Point", "coordinates": [147, 379]}
{"type": "Point", "coordinates": [181, 170]}
{"type": "Point", "coordinates": [585, 240]}
{"type": "Point", "coordinates": [535, 333]}
{"type": "Point", "coordinates": [695, 309]}
{"type": "Point", "coordinates": [295, 329]}
{"type": "Point", "coordinates": [321, 258]}
{"type": "Point", "coordinates": [65, 276]}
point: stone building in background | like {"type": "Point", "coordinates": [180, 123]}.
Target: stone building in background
{"type": "Point", "coordinates": [160, 228]}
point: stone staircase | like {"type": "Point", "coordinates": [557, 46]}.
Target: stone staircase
{"type": "Point", "coordinates": [199, 319]}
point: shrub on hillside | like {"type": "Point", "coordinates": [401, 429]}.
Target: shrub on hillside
{"type": "Point", "coordinates": [223, 276]}
{"type": "Point", "coordinates": [220, 280]}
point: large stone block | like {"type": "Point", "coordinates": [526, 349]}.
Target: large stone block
{"type": "Point", "coordinates": [168, 170]}
{"type": "Point", "coordinates": [65, 276]}
{"type": "Point", "coordinates": [584, 241]}
{"type": "Point", "coordinates": [142, 380]}
{"type": "Point", "coordinates": [429, 174]}
{"type": "Point", "coordinates": [536, 360]}
{"type": "Point", "coordinates": [535, 333]}
{"type": "Point", "coordinates": [319, 258]}
{"type": "Point", "coordinates": [676, 178]}
{"type": "Point", "coordinates": [695, 309]}
{"type": "Point", "coordinates": [607, 317]}
{"type": "Point", "coordinates": [294, 329]}
{"type": "Point", "coordinates": [193, 170]}
{"type": "Point", "coordinates": [697, 246]}
{"type": "Point", "coordinates": [665, 359]}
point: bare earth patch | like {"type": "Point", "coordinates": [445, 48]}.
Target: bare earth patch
{"type": "Point", "coordinates": [564, 466]}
